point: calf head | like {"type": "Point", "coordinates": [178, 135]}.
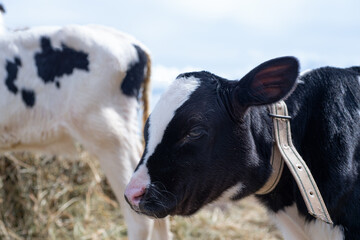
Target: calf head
{"type": "Point", "coordinates": [198, 144]}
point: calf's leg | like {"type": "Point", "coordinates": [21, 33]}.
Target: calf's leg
{"type": "Point", "coordinates": [118, 149]}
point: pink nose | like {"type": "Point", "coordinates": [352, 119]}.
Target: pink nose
{"type": "Point", "coordinates": [134, 195]}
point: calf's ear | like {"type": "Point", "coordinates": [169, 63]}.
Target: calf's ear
{"type": "Point", "coordinates": [269, 82]}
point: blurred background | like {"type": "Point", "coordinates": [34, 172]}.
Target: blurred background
{"type": "Point", "coordinates": [227, 37]}
{"type": "Point", "coordinates": [44, 198]}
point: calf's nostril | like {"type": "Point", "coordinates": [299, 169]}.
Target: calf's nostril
{"type": "Point", "coordinates": [134, 195]}
{"type": "Point", "coordinates": [136, 199]}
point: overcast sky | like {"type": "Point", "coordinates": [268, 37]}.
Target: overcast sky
{"type": "Point", "coordinates": [227, 37]}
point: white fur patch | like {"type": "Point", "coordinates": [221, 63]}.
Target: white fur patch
{"type": "Point", "coordinates": [293, 226]}
{"type": "Point", "coordinates": [226, 197]}
{"type": "Point", "coordinates": [300, 81]}
{"type": "Point", "coordinates": [303, 73]}
{"type": "Point", "coordinates": [178, 92]}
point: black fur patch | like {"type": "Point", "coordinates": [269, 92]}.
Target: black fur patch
{"type": "Point", "coordinates": [28, 96]}
{"type": "Point", "coordinates": [52, 63]}
{"type": "Point", "coordinates": [135, 75]}
{"type": "Point", "coordinates": [12, 69]}
{"type": "Point", "coordinates": [2, 9]}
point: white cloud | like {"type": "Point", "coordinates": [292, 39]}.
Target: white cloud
{"type": "Point", "coordinates": [162, 76]}
{"type": "Point", "coordinates": [273, 16]}
{"type": "Point", "coordinates": [267, 15]}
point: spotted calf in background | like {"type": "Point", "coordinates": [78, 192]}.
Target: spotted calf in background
{"type": "Point", "coordinates": [78, 84]}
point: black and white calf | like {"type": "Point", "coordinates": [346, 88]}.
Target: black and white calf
{"type": "Point", "coordinates": [77, 83]}
{"type": "Point", "coordinates": [209, 137]}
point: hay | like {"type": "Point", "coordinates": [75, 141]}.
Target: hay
{"type": "Point", "coordinates": [58, 198]}
{"type": "Point", "coordinates": [244, 220]}
{"type": "Point", "coordinates": [54, 198]}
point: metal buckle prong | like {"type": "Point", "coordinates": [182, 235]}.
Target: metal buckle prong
{"type": "Point", "coordinates": [279, 116]}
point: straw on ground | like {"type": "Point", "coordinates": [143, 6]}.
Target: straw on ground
{"type": "Point", "coordinates": [59, 198]}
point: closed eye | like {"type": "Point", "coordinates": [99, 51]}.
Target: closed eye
{"type": "Point", "coordinates": [193, 135]}
{"type": "Point", "coordinates": [196, 133]}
